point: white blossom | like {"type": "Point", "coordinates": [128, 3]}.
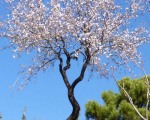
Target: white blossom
{"type": "Point", "coordinates": [99, 26]}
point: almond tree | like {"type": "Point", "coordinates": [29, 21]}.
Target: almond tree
{"type": "Point", "coordinates": [97, 33]}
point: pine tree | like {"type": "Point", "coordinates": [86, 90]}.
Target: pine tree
{"type": "Point", "coordinates": [117, 106]}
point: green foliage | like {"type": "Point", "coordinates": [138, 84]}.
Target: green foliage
{"type": "Point", "coordinates": [137, 90]}
{"type": "Point", "coordinates": [117, 106]}
{"type": "Point", "coordinates": [92, 108]}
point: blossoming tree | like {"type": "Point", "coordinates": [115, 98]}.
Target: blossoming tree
{"type": "Point", "coordinates": [97, 33]}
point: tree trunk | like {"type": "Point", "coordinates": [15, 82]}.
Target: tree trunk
{"type": "Point", "coordinates": [76, 108]}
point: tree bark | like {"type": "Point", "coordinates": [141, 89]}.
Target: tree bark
{"type": "Point", "coordinates": [76, 108]}
{"type": "Point", "coordinates": [75, 105]}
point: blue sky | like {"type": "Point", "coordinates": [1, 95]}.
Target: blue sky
{"type": "Point", "coordinates": [46, 97]}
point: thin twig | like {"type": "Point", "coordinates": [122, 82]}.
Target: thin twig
{"type": "Point", "coordinates": [130, 98]}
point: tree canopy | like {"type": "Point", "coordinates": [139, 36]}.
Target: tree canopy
{"type": "Point", "coordinates": [117, 106]}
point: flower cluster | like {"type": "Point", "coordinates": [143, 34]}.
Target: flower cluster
{"type": "Point", "coordinates": [75, 26]}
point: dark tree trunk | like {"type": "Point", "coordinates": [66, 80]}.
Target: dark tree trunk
{"type": "Point", "coordinates": [70, 87]}
{"type": "Point", "coordinates": [76, 108]}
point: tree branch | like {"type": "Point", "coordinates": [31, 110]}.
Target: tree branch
{"type": "Point", "coordinates": [81, 76]}
{"type": "Point", "coordinates": [130, 98]}
{"type": "Point", "coordinates": [63, 73]}
{"type": "Point", "coordinates": [147, 88]}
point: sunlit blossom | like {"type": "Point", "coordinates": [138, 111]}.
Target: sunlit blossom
{"type": "Point", "coordinates": [99, 26]}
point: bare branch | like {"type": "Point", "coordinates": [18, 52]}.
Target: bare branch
{"type": "Point", "coordinates": [129, 98]}
{"type": "Point", "coordinates": [63, 73]}
{"type": "Point", "coordinates": [147, 88]}
{"type": "Point", "coordinates": [81, 76]}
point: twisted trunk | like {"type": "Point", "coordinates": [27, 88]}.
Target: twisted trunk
{"type": "Point", "coordinates": [70, 87]}
{"type": "Point", "coordinates": [76, 108]}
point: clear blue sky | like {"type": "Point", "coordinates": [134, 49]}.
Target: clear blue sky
{"type": "Point", "coordinates": [46, 97]}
